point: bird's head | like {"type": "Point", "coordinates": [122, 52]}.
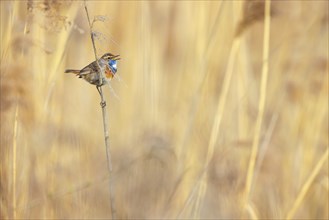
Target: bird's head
{"type": "Point", "coordinates": [109, 56]}
{"type": "Point", "coordinates": [111, 61]}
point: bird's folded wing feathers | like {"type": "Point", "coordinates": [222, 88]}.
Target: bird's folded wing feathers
{"type": "Point", "coordinates": [85, 71]}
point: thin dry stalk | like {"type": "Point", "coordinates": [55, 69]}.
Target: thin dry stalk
{"type": "Point", "coordinates": [105, 120]}
{"type": "Point", "coordinates": [222, 100]}
{"type": "Point", "coordinates": [252, 212]}
{"type": "Point", "coordinates": [201, 193]}
{"type": "Point", "coordinates": [307, 185]}
{"type": "Point", "coordinates": [261, 104]}
{"type": "Point", "coordinates": [197, 94]}
{"type": "Point", "coordinates": [202, 184]}
{"type": "Point", "coordinates": [219, 116]}
{"type": "Point", "coordinates": [190, 197]}
{"type": "Point", "coordinates": [15, 161]}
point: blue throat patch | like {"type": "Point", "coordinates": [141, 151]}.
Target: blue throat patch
{"type": "Point", "coordinates": [113, 65]}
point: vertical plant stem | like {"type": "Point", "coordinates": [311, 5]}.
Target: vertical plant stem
{"type": "Point", "coordinates": [105, 120]}
{"type": "Point", "coordinates": [15, 161]}
{"type": "Point", "coordinates": [218, 119]}
{"type": "Point", "coordinates": [261, 104]}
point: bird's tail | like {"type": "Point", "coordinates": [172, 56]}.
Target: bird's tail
{"type": "Point", "coordinates": [76, 72]}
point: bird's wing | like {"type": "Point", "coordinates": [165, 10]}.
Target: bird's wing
{"type": "Point", "coordinates": [85, 71]}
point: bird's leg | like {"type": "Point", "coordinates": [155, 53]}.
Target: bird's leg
{"type": "Point", "coordinates": [98, 89]}
{"type": "Point", "coordinates": [103, 103]}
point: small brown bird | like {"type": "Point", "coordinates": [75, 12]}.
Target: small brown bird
{"type": "Point", "coordinates": [90, 73]}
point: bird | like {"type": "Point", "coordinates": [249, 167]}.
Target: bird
{"type": "Point", "coordinates": [91, 72]}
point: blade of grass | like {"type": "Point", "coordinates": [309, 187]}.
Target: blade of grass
{"type": "Point", "coordinates": [307, 185]}
{"type": "Point", "coordinates": [215, 129]}
{"type": "Point", "coordinates": [261, 104]}
{"type": "Point", "coordinates": [15, 161]}
{"type": "Point", "coordinates": [218, 118]}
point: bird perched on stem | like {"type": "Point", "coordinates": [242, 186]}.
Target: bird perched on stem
{"type": "Point", "coordinates": [91, 73]}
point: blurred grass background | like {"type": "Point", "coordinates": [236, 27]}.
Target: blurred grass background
{"type": "Point", "coordinates": [176, 154]}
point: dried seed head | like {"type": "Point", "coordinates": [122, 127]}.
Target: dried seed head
{"type": "Point", "coordinates": [15, 90]}
{"type": "Point", "coordinates": [46, 14]}
{"type": "Point", "coordinates": [253, 12]}
{"type": "Point", "coordinates": [101, 18]}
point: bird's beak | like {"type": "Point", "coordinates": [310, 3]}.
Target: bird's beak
{"type": "Point", "coordinates": [116, 57]}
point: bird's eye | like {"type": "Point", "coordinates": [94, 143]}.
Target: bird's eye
{"type": "Point", "coordinates": [107, 56]}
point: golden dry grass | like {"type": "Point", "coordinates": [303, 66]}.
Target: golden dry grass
{"type": "Point", "coordinates": [214, 119]}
